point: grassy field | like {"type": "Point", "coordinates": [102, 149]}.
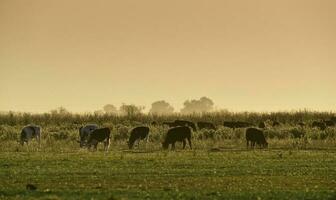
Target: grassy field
{"type": "Point", "coordinates": [195, 174]}
{"type": "Point", "coordinates": [219, 166]}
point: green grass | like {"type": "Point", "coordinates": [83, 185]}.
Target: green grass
{"type": "Point", "coordinates": [156, 174]}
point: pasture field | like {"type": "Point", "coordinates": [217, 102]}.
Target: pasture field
{"type": "Point", "coordinates": [189, 174]}
{"type": "Point", "coordinates": [218, 167]}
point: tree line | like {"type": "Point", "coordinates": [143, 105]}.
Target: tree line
{"type": "Point", "coordinates": [161, 107]}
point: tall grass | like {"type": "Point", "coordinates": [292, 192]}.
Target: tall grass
{"type": "Point", "coordinates": [294, 117]}
{"type": "Point", "coordinates": [60, 130]}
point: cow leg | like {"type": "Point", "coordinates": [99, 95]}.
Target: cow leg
{"type": "Point", "coordinates": [107, 144]}
{"type": "Point", "coordinates": [189, 141]}
{"type": "Point", "coordinates": [173, 146]}
{"type": "Point", "coordinates": [184, 143]}
{"type": "Point", "coordinates": [247, 144]}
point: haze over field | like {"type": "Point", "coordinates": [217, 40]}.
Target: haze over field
{"type": "Point", "coordinates": [261, 55]}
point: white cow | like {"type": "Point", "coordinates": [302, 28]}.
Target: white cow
{"type": "Point", "coordinates": [29, 132]}
{"type": "Point", "coordinates": [84, 133]}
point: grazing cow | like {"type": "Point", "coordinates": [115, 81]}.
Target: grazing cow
{"type": "Point", "coordinates": [320, 125]}
{"type": "Point", "coordinates": [275, 123]}
{"type": "Point", "coordinates": [29, 132]}
{"type": "Point", "coordinates": [99, 135]}
{"type": "Point", "coordinates": [169, 124]}
{"type": "Point", "coordinates": [181, 123]}
{"type": "Point", "coordinates": [254, 135]}
{"type": "Point", "coordinates": [137, 134]}
{"type": "Point", "coordinates": [185, 123]}
{"type": "Point", "coordinates": [329, 122]}
{"type": "Point", "coordinates": [180, 133]}
{"type": "Point", "coordinates": [84, 133]}
{"type": "Point", "coordinates": [237, 124]}
{"type": "Point", "coordinates": [262, 125]}
{"type": "Point", "coordinates": [206, 125]}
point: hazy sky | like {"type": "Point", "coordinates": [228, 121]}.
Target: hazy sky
{"type": "Point", "coordinates": [256, 55]}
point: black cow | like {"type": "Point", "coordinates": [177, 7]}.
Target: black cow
{"type": "Point", "coordinates": [180, 123]}
{"type": "Point", "coordinates": [29, 132]}
{"type": "Point", "coordinates": [169, 124]}
{"type": "Point", "coordinates": [185, 123]}
{"type": "Point", "coordinates": [206, 125]}
{"type": "Point", "coordinates": [138, 133]}
{"type": "Point", "coordinates": [262, 125]}
{"type": "Point", "coordinates": [320, 125]}
{"type": "Point", "coordinates": [254, 135]}
{"type": "Point", "coordinates": [99, 135]}
{"type": "Point", "coordinates": [177, 134]}
{"type": "Point", "coordinates": [237, 124]}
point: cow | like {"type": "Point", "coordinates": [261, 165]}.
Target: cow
{"type": "Point", "coordinates": [262, 125]}
{"type": "Point", "coordinates": [137, 134]}
{"type": "Point", "coordinates": [84, 132]}
{"type": "Point", "coordinates": [237, 124]}
{"type": "Point", "coordinates": [99, 135]}
{"type": "Point", "coordinates": [177, 134]}
{"type": "Point", "coordinates": [320, 125]}
{"type": "Point", "coordinates": [181, 123]}
{"type": "Point", "coordinates": [254, 136]}
{"type": "Point", "coordinates": [29, 132]}
{"type": "Point", "coordinates": [185, 123]}
{"type": "Point", "coordinates": [169, 124]}
{"type": "Point", "coordinates": [206, 125]}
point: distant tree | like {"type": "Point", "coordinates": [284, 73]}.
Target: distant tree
{"type": "Point", "coordinates": [110, 109]}
{"type": "Point", "coordinates": [130, 109]}
{"type": "Point", "coordinates": [161, 108]}
{"type": "Point", "coordinates": [202, 105]}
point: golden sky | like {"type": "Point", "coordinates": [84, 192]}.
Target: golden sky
{"type": "Point", "coordinates": [255, 55]}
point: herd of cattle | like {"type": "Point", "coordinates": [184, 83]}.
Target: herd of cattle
{"type": "Point", "coordinates": [179, 131]}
